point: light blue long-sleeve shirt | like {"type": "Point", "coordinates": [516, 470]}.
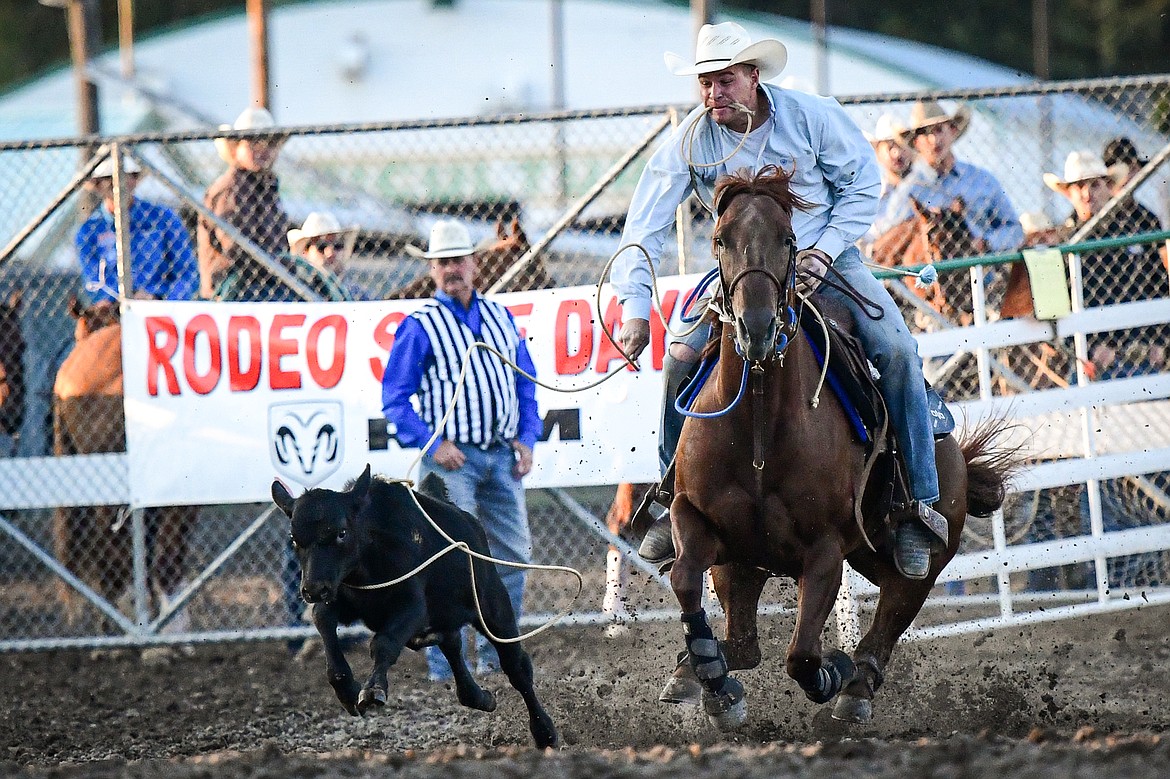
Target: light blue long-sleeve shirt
{"type": "Point", "coordinates": [990, 215]}
{"type": "Point", "coordinates": [833, 165]}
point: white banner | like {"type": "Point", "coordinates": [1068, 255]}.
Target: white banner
{"type": "Point", "coordinates": [222, 397]}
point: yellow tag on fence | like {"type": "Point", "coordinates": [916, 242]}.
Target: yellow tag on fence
{"type": "Point", "coordinates": [1049, 282]}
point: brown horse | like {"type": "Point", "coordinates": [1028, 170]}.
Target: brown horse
{"type": "Point", "coordinates": [933, 234]}
{"type": "Point", "coordinates": [492, 263]}
{"type": "Point", "coordinates": [94, 542]}
{"type": "Point", "coordinates": [753, 500]}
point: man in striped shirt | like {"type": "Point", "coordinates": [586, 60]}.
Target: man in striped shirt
{"type": "Point", "coordinates": [483, 448]}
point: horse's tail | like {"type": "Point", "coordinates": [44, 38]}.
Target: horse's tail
{"type": "Point", "coordinates": [989, 466]}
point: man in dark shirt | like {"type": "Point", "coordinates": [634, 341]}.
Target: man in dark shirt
{"type": "Point", "coordinates": [1120, 275]}
{"type": "Point", "coordinates": [246, 196]}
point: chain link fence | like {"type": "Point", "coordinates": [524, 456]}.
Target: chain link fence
{"type": "Point", "coordinates": [326, 213]}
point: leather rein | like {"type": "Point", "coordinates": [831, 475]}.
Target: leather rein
{"type": "Point", "coordinates": [789, 324]}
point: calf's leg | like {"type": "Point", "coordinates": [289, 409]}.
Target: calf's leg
{"type": "Point", "coordinates": [500, 621]}
{"type": "Point", "coordinates": [337, 668]}
{"type": "Point", "coordinates": [468, 691]}
{"type": "Point", "coordinates": [385, 647]}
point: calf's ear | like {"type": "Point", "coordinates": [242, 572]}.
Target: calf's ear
{"type": "Point", "coordinates": [282, 498]}
{"type": "Point", "coordinates": [361, 487]}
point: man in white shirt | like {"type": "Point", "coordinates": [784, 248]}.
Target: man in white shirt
{"type": "Point", "coordinates": [835, 171]}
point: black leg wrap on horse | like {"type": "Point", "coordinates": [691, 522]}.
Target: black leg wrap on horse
{"type": "Point", "coordinates": [705, 654]}
{"type": "Point", "coordinates": [867, 668]}
{"type": "Point", "coordinates": [837, 670]}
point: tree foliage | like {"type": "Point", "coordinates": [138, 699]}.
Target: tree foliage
{"type": "Point", "coordinates": [1087, 37]}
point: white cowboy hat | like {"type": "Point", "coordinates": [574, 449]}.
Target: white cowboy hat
{"type": "Point", "coordinates": [105, 168]}
{"type": "Point", "coordinates": [448, 239]}
{"type": "Point", "coordinates": [1081, 165]}
{"type": "Point", "coordinates": [927, 113]}
{"type": "Point", "coordinates": [722, 45]}
{"type": "Point", "coordinates": [251, 118]}
{"type": "Point", "coordinates": [888, 128]}
{"type": "Point", "coordinates": [317, 224]}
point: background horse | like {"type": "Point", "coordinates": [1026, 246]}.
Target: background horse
{"type": "Point", "coordinates": [933, 234]}
{"type": "Point", "coordinates": [94, 542]}
{"type": "Point", "coordinates": [492, 262]}
{"type": "Point", "coordinates": [747, 503]}
{"type": "Point", "coordinates": [11, 368]}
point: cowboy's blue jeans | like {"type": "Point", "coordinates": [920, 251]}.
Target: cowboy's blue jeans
{"type": "Point", "coordinates": [894, 352]}
{"type": "Point", "coordinates": [485, 488]}
{"type": "Point", "coordinates": [889, 346]}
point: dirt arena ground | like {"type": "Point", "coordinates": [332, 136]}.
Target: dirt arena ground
{"type": "Point", "coordinates": [1072, 699]}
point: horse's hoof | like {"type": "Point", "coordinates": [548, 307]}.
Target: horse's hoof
{"type": "Point", "coordinates": [727, 710]}
{"type": "Point", "coordinates": [371, 696]}
{"type": "Point", "coordinates": [850, 708]}
{"type": "Point", "coordinates": [682, 686]}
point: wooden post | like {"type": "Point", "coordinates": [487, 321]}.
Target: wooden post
{"type": "Point", "coordinates": [818, 15]}
{"type": "Point", "coordinates": [258, 38]}
{"type": "Point", "coordinates": [126, 37]}
{"type": "Point", "coordinates": [84, 21]}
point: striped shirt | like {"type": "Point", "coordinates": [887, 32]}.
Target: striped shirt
{"type": "Point", "coordinates": [494, 405]}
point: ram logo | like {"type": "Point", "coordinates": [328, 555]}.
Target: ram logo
{"type": "Point", "coordinates": [305, 440]}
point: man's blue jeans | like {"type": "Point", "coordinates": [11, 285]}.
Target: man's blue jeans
{"type": "Point", "coordinates": [485, 488]}
{"type": "Point", "coordinates": [889, 346]}
{"type": "Point", "coordinates": [894, 352]}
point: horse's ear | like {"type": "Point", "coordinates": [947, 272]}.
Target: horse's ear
{"type": "Point", "coordinates": [501, 230]}
{"type": "Point", "coordinates": [918, 209]}
{"type": "Point", "coordinates": [282, 497]}
{"type": "Point", "coordinates": [75, 307]}
{"type": "Point", "coordinates": [517, 231]}
{"type": "Point", "coordinates": [361, 486]}
{"type": "Point", "coordinates": [958, 206]}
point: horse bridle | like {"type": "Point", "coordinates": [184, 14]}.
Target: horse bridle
{"type": "Point", "coordinates": [787, 300]}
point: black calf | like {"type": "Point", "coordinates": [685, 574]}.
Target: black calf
{"type": "Point", "coordinates": [372, 533]}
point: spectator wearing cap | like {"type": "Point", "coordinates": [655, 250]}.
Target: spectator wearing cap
{"type": "Point", "coordinates": [326, 245]}
{"type": "Point", "coordinates": [1122, 159]}
{"type": "Point", "coordinates": [162, 259]}
{"type": "Point", "coordinates": [246, 196]}
{"type": "Point", "coordinates": [991, 218]}
{"type": "Point", "coordinates": [1110, 276]}
{"type": "Point", "coordinates": [483, 448]}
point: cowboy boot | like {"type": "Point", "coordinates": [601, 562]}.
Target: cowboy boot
{"type": "Point", "coordinates": [657, 545]}
{"type": "Point", "coordinates": [915, 538]}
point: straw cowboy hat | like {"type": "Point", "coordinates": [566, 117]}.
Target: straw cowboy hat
{"type": "Point", "coordinates": [1082, 165]}
{"type": "Point", "coordinates": [448, 239]}
{"type": "Point", "coordinates": [927, 113]}
{"type": "Point", "coordinates": [105, 168]}
{"type": "Point", "coordinates": [252, 118]}
{"type": "Point", "coordinates": [317, 224]}
{"type": "Point", "coordinates": [888, 128]}
{"type": "Point", "coordinates": [722, 45]}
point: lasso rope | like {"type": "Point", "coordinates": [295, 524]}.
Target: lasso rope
{"type": "Point", "coordinates": [462, 546]}
{"type": "Point", "coordinates": [687, 143]}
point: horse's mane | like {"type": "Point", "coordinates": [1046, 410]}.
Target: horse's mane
{"type": "Point", "coordinates": [771, 181]}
